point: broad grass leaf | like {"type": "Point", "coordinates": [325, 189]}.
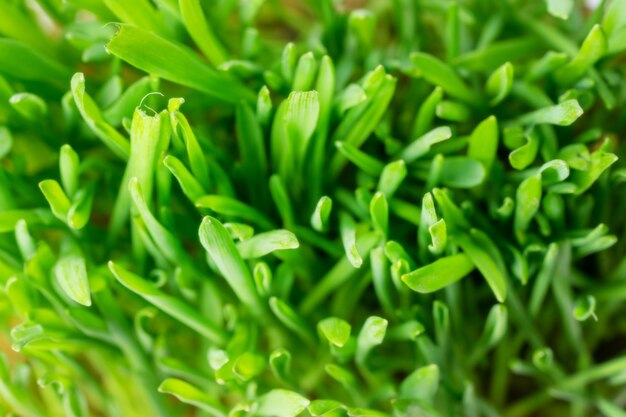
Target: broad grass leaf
{"type": "Point", "coordinates": [264, 243]}
{"type": "Point", "coordinates": [439, 274]}
{"type": "Point", "coordinates": [71, 274]}
{"type": "Point", "coordinates": [217, 242]}
{"type": "Point", "coordinates": [173, 62]}
{"type": "Point", "coordinates": [190, 394]}
{"type": "Point", "coordinates": [440, 74]}
{"type": "Point", "coordinates": [335, 330]}
{"type": "Point", "coordinates": [281, 403]}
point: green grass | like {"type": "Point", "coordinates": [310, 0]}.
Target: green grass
{"type": "Point", "coordinates": [312, 208]}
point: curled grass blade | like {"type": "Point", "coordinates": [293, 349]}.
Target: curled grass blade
{"type": "Point", "coordinates": [268, 242]}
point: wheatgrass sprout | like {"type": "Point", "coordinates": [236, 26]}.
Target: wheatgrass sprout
{"type": "Point", "coordinates": [312, 208]}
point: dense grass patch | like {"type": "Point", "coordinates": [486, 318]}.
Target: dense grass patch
{"type": "Point", "coordinates": [312, 208]}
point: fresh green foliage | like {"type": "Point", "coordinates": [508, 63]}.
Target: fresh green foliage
{"type": "Point", "coordinates": [240, 208]}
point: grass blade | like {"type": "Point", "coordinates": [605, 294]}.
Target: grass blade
{"type": "Point", "coordinates": [200, 31]}
{"type": "Point", "coordinates": [480, 249]}
{"type": "Point", "coordinates": [268, 242]}
{"type": "Point", "coordinates": [421, 384]}
{"type": "Point", "coordinates": [163, 58]}
{"type": "Point", "coordinates": [335, 330]}
{"type": "Point", "coordinates": [440, 74]}
{"type": "Point", "coordinates": [140, 13]}
{"type": "Point", "coordinates": [421, 146]}
{"type": "Point", "coordinates": [191, 187]}
{"type": "Point", "coordinates": [118, 144]}
{"type": "Point", "coordinates": [562, 114]}
{"type": "Point", "coordinates": [292, 320]}
{"type": "Point", "coordinates": [170, 305]}
{"type": "Point", "coordinates": [189, 394]}
{"type": "Point", "coordinates": [371, 335]}
{"type": "Point", "coordinates": [483, 142]}
{"type": "Point", "coordinates": [560, 8]}
{"type": "Point", "coordinates": [59, 203]}
{"type": "Point", "coordinates": [593, 48]}
{"type": "Point", "coordinates": [500, 83]}
{"type": "Point", "coordinates": [231, 207]}
{"type": "Point", "coordinates": [252, 150]}
{"type": "Point", "coordinates": [439, 274]}
{"type": "Point", "coordinates": [71, 274]}
{"type": "Point", "coordinates": [348, 237]}
{"type": "Point", "coordinates": [281, 403]}
{"type": "Point", "coordinates": [217, 242]}
{"type": "Point", "coordinates": [24, 63]}
{"type": "Point", "coordinates": [320, 217]}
